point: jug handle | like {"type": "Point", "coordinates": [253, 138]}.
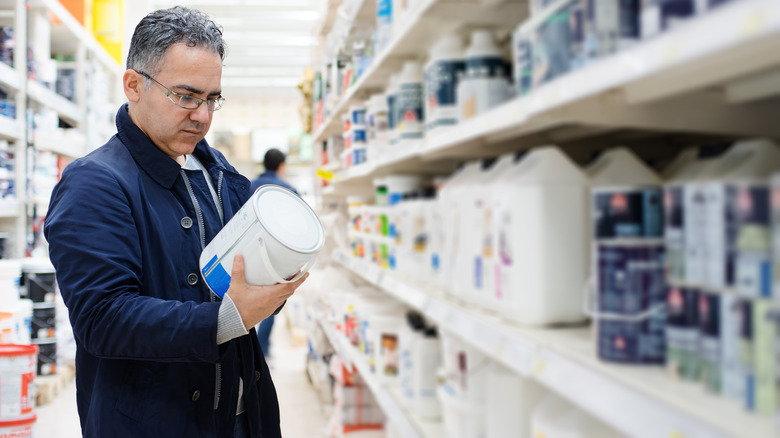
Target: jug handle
{"type": "Point", "coordinates": [275, 275]}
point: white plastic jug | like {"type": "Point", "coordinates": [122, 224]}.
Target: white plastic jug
{"type": "Point", "coordinates": [451, 210]}
{"type": "Point", "coordinates": [510, 402]}
{"type": "Point", "coordinates": [278, 234]}
{"type": "Point", "coordinates": [542, 234]}
{"type": "Point", "coordinates": [476, 234]}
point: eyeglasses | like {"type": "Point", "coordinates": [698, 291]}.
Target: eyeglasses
{"type": "Point", "coordinates": [187, 102]}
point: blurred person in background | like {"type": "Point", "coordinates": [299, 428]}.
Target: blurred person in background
{"type": "Point", "coordinates": [274, 163]}
{"type": "Point", "coordinates": [158, 353]}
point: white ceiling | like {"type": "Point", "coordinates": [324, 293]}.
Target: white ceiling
{"type": "Point", "coordinates": [269, 41]}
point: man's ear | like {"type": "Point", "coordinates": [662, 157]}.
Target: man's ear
{"type": "Point", "coordinates": [132, 83]}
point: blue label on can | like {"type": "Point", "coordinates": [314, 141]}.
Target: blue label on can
{"type": "Point", "coordinates": [358, 117]}
{"type": "Point", "coordinates": [358, 136]}
{"type": "Point", "coordinates": [627, 213]}
{"type": "Point", "coordinates": [217, 278]}
{"type": "Point", "coordinates": [631, 282]}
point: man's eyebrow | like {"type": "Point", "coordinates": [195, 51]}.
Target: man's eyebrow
{"type": "Point", "coordinates": [194, 90]}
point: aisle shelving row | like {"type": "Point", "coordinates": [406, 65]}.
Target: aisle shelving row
{"type": "Point", "coordinates": [677, 82]}
{"type": "Point", "coordinates": [61, 94]}
{"type": "Point", "coordinates": [389, 400]}
{"type": "Point", "coordinates": [564, 359]}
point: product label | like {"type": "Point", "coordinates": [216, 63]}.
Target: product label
{"type": "Point", "coordinates": [377, 128]}
{"type": "Point", "coordinates": [627, 213]}
{"type": "Point", "coordinates": [695, 226]}
{"type": "Point", "coordinates": [682, 333]}
{"type": "Point", "coordinates": [391, 112]}
{"type": "Point", "coordinates": [720, 242]}
{"type": "Point", "coordinates": [674, 232]}
{"type": "Point", "coordinates": [523, 64]}
{"type": "Point", "coordinates": [753, 240]}
{"type": "Point", "coordinates": [487, 67]}
{"type": "Point", "coordinates": [409, 111]}
{"type": "Point", "coordinates": [441, 85]}
{"type": "Point", "coordinates": [631, 282]}
{"type": "Point", "coordinates": [710, 329]}
{"type": "Point", "coordinates": [775, 206]}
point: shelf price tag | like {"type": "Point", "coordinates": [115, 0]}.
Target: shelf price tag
{"type": "Point", "coordinates": [327, 175]}
{"type": "Point", "coordinates": [539, 367]}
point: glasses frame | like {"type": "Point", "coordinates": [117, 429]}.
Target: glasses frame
{"type": "Point", "coordinates": [217, 102]}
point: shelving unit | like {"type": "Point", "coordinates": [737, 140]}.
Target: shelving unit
{"type": "Point", "coordinates": [564, 359]}
{"type": "Point", "coordinates": [51, 30]}
{"type": "Point", "coordinates": [678, 85]}
{"type": "Point", "coordinates": [389, 400]}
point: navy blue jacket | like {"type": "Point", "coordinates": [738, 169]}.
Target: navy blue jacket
{"type": "Point", "coordinates": [125, 235]}
{"type": "Point", "coordinates": [270, 177]}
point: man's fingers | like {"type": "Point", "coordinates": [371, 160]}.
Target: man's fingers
{"type": "Point", "coordinates": [237, 273]}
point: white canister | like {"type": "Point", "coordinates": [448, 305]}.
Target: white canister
{"type": "Point", "coordinates": [10, 273]}
{"type": "Point", "coordinates": [278, 234]}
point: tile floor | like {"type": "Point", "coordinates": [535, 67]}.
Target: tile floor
{"type": "Point", "coordinates": [302, 414]}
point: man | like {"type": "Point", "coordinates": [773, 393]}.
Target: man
{"type": "Point", "coordinates": [274, 163]}
{"type": "Point", "coordinates": [158, 354]}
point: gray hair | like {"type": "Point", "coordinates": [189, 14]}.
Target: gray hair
{"type": "Point", "coordinates": [161, 29]}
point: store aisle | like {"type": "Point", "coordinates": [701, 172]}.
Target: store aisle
{"type": "Point", "coordinates": [302, 414]}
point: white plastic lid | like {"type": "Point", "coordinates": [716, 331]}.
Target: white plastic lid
{"type": "Point", "coordinates": [10, 267]}
{"type": "Point", "coordinates": [289, 219]}
{"type": "Point", "coordinates": [482, 44]}
{"type": "Point", "coordinates": [412, 72]}
{"type": "Point", "coordinates": [37, 265]}
{"type": "Point", "coordinates": [448, 47]}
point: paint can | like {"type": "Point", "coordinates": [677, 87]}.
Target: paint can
{"type": "Point", "coordinates": [38, 281]}
{"type": "Point", "coordinates": [631, 312]}
{"type": "Point", "coordinates": [21, 428]}
{"type": "Point", "coordinates": [47, 356]}
{"type": "Point", "coordinates": [278, 234]}
{"type": "Point", "coordinates": [17, 376]}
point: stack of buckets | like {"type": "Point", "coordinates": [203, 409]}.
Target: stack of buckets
{"type": "Point", "coordinates": [17, 361]}
{"type": "Point", "coordinates": [39, 285]}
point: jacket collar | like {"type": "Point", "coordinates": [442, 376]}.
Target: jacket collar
{"type": "Point", "coordinates": [149, 157]}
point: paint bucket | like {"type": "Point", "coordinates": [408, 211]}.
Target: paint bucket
{"type": "Point", "coordinates": [44, 319]}
{"type": "Point", "coordinates": [22, 428]}
{"type": "Point", "coordinates": [47, 356]}
{"type": "Point", "coordinates": [278, 234]}
{"type": "Point", "coordinates": [38, 280]}
{"type": "Point", "coordinates": [17, 376]}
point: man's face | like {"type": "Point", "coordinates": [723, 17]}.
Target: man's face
{"type": "Point", "coordinates": [189, 71]}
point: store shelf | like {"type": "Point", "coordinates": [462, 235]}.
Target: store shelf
{"type": "Point", "coordinates": [423, 26]}
{"type": "Point", "coordinates": [71, 144]}
{"type": "Point", "coordinates": [67, 36]}
{"type": "Point", "coordinates": [10, 208]}
{"type": "Point", "coordinates": [389, 400]}
{"type": "Point", "coordinates": [651, 404]}
{"type": "Point", "coordinates": [677, 82]}
{"type": "Point", "coordinates": [66, 109]}
{"type": "Point", "coordinates": [9, 77]}
{"type": "Point", "coordinates": [10, 129]}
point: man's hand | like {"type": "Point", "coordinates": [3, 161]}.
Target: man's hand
{"type": "Point", "coordinates": [256, 303]}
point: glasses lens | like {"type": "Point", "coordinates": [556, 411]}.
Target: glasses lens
{"type": "Point", "coordinates": [214, 104]}
{"type": "Point", "coordinates": [189, 102]}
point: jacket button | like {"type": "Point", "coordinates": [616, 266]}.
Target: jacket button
{"type": "Point", "coordinates": [257, 376]}
{"type": "Point", "coordinates": [186, 223]}
{"type": "Point", "coordinates": [195, 395]}
{"type": "Point", "coordinates": [192, 279]}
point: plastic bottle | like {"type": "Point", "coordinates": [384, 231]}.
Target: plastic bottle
{"type": "Point", "coordinates": [409, 105]}
{"type": "Point", "coordinates": [427, 359]}
{"type": "Point", "coordinates": [486, 80]}
{"type": "Point", "coordinates": [384, 23]}
{"type": "Point", "coordinates": [377, 126]}
{"type": "Point", "coordinates": [444, 69]}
